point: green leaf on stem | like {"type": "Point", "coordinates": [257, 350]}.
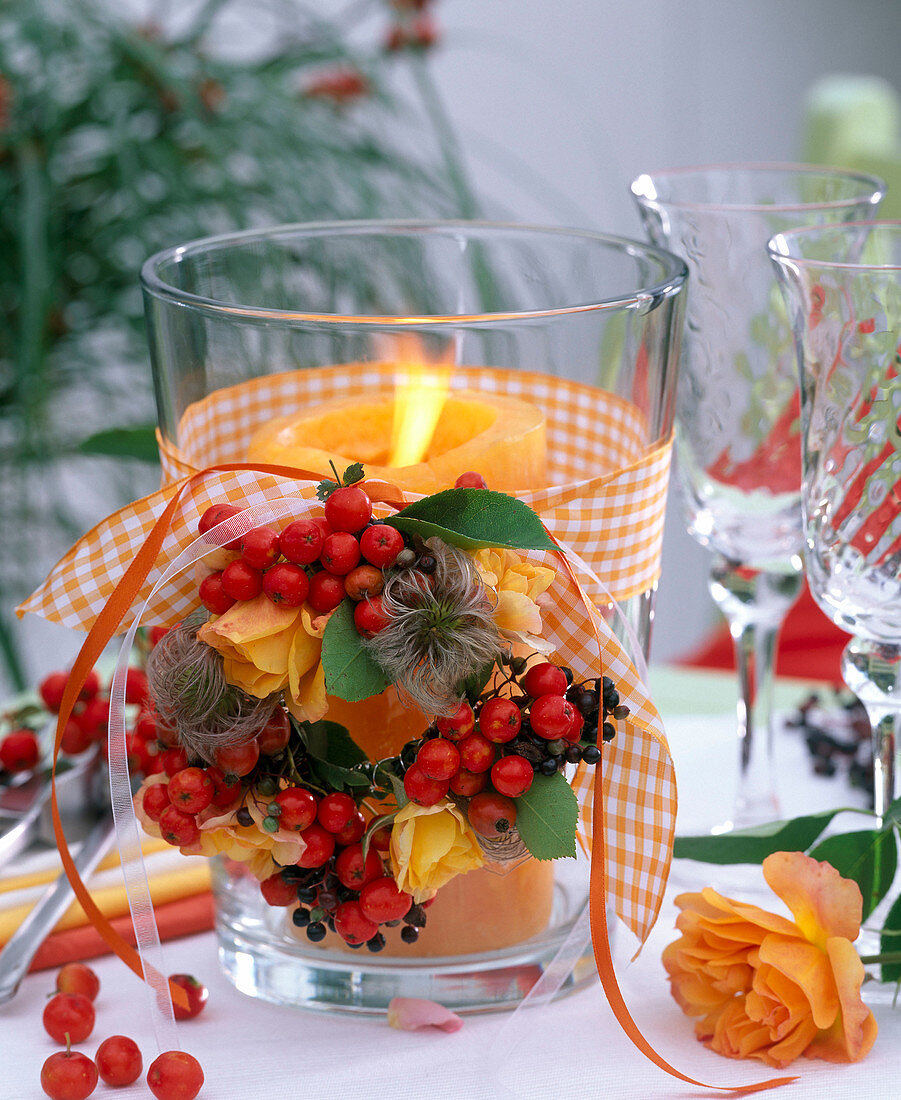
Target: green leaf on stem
{"type": "Point", "coordinates": [755, 844]}
{"type": "Point", "coordinates": [890, 942]}
{"type": "Point", "coordinates": [869, 857]}
{"type": "Point", "coordinates": [351, 673]}
{"type": "Point", "coordinates": [546, 817]}
{"type": "Point", "coordinates": [473, 519]}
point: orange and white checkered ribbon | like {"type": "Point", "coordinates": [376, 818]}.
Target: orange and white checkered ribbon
{"type": "Point", "coordinates": [606, 501]}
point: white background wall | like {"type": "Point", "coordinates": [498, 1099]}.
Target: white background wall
{"type": "Point", "coordinates": [560, 104]}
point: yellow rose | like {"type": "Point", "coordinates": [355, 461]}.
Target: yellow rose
{"type": "Point", "coordinates": [260, 851]}
{"type": "Point", "coordinates": [429, 846]}
{"type": "Point", "coordinates": [769, 988]}
{"type": "Point", "coordinates": [519, 586]}
{"type": "Point", "coordinates": [266, 647]}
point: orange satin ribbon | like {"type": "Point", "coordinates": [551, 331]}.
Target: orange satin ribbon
{"type": "Point", "coordinates": [105, 628]}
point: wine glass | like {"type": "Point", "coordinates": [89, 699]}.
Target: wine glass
{"type": "Point", "coordinates": [737, 418]}
{"type": "Point", "coordinates": [842, 284]}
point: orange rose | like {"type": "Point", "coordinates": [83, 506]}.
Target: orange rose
{"type": "Point", "coordinates": [268, 647]}
{"type": "Point", "coordinates": [770, 988]}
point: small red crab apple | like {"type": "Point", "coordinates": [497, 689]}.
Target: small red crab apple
{"type": "Point", "coordinates": [68, 1075]}
{"type": "Point", "coordinates": [477, 753]}
{"type": "Point", "coordinates": [422, 790]}
{"type": "Point", "coordinates": [276, 734]}
{"type": "Point", "coordinates": [196, 992]}
{"type": "Point", "coordinates": [19, 751]}
{"type": "Point", "coordinates": [340, 553]}
{"type": "Point", "coordinates": [298, 808]}
{"type": "Point", "coordinates": [238, 759]}
{"type": "Point", "coordinates": [260, 547]}
{"type": "Point", "coordinates": [552, 716]}
{"type": "Point", "coordinates": [191, 790]}
{"type": "Point", "coordinates": [326, 591]}
{"type": "Point", "coordinates": [213, 516]}
{"type": "Point", "coordinates": [352, 924]}
{"type": "Point", "coordinates": [69, 1014]}
{"type": "Point", "coordinates": [175, 1076]}
{"type": "Point", "coordinates": [278, 893]}
{"type": "Point", "coordinates": [354, 871]}
{"type": "Point", "coordinates": [382, 900]}
{"type": "Point", "coordinates": [78, 978]}
{"type": "Point", "coordinates": [213, 596]}
{"type": "Point", "coordinates": [119, 1061]}
{"type": "Point", "coordinates": [241, 581]}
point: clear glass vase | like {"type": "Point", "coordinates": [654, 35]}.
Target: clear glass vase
{"type": "Point", "coordinates": [340, 318]}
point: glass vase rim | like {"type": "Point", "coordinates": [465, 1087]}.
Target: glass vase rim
{"type": "Point", "coordinates": [674, 268]}
{"type": "Point", "coordinates": [877, 185]}
{"type": "Point", "coordinates": [780, 255]}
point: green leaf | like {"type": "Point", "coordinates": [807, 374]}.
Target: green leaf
{"type": "Point", "coordinates": [546, 817]}
{"type": "Point", "coordinates": [353, 473]}
{"type": "Point", "coordinates": [754, 845]}
{"type": "Point", "coordinates": [331, 742]}
{"type": "Point", "coordinates": [888, 941]}
{"type": "Point", "coordinates": [350, 672]}
{"type": "Point", "coordinates": [333, 753]}
{"type": "Point", "coordinates": [869, 856]}
{"type": "Point", "coordinates": [400, 794]}
{"type": "Point", "coordinates": [473, 519]}
{"type": "Point", "coordinates": [139, 443]}
{"type": "Point", "coordinates": [330, 775]}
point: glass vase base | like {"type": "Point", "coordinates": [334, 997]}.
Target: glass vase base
{"type": "Point", "coordinates": [265, 957]}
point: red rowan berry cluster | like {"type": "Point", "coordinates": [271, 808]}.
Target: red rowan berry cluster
{"type": "Point", "coordinates": [342, 884]}
{"type": "Point", "coordinates": [20, 749]}
{"type": "Point", "coordinates": [69, 1018]}
{"type": "Point", "coordinates": [536, 720]}
{"type": "Point", "coordinates": [318, 561]}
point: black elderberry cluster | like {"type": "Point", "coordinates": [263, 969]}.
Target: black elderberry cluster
{"type": "Point", "coordinates": [837, 737]}
{"type": "Point", "coordinates": [319, 893]}
{"type": "Point", "coordinates": [598, 702]}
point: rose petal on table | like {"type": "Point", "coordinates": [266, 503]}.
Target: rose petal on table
{"type": "Point", "coordinates": [415, 1013]}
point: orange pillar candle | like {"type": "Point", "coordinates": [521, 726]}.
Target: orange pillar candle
{"type": "Point", "coordinates": [500, 437]}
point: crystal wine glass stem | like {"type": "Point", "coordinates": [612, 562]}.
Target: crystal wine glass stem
{"type": "Point", "coordinates": [872, 670]}
{"type": "Point", "coordinates": [755, 603]}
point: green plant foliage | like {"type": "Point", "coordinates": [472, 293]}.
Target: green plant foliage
{"type": "Point", "coordinates": [117, 140]}
{"type": "Point", "coordinates": [547, 816]}
{"type": "Point", "coordinates": [755, 844]}
{"type": "Point", "coordinates": [350, 672]}
{"type": "Point", "coordinates": [474, 518]}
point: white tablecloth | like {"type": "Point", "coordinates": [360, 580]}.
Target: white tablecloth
{"type": "Point", "coordinates": [574, 1048]}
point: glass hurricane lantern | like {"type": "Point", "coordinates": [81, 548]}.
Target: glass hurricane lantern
{"type": "Point", "coordinates": [575, 309]}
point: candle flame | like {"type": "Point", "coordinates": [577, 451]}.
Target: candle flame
{"type": "Point", "coordinates": [421, 388]}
